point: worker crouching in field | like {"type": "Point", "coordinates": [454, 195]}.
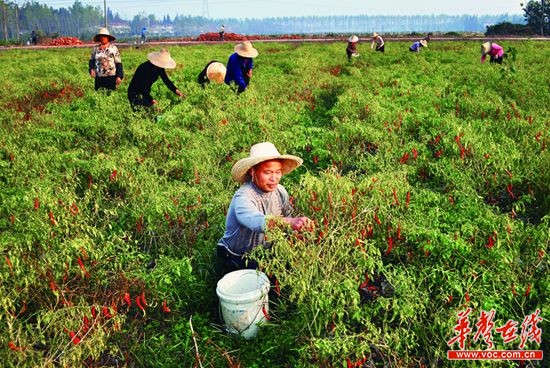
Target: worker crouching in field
{"type": "Point", "coordinates": [260, 203]}
{"type": "Point", "coordinates": [139, 91]}
{"type": "Point", "coordinates": [105, 64]}
{"type": "Point", "coordinates": [213, 72]}
{"type": "Point", "coordinates": [240, 65]}
{"type": "Point", "coordinates": [416, 46]}
{"type": "Point", "coordinates": [351, 48]}
{"type": "Point", "coordinates": [495, 51]}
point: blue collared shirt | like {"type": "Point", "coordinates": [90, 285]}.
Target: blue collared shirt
{"type": "Point", "coordinates": [246, 218]}
{"type": "Point", "coordinates": [237, 70]}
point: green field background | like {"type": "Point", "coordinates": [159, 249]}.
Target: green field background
{"type": "Point", "coordinates": [445, 156]}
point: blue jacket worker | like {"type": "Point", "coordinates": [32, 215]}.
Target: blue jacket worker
{"type": "Point", "coordinates": [260, 203]}
{"type": "Point", "coordinates": [239, 66]}
{"type": "Point", "coordinates": [415, 47]}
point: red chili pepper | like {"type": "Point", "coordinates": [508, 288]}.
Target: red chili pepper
{"type": "Point", "coordinates": [408, 200]}
{"type": "Point", "coordinates": [404, 158]}
{"type": "Point", "coordinates": [138, 303]}
{"type": "Point", "coordinates": [528, 290]}
{"type": "Point", "coordinates": [94, 312]}
{"type": "Point", "coordinates": [395, 197]}
{"type": "Point", "coordinates": [127, 299]}
{"type": "Point", "coordinates": [509, 173]}
{"type": "Point", "coordinates": [14, 347]}
{"type": "Point", "coordinates": [113, 175]}
{"type": "Point", "coordinates": [23, 308]}
{"type": "Point", "coordinates": [364, 283]}
{"type": "Point", "coordinates": [467, 297]}
{"type": "Point", "coordinates": [514, 290]}
{"type": "Point", "coordinates": [390, 245]}
{"type": "Point", "coordinates": [277, 287]}
{"type": "Point", "coordinates": [74, 338]}
{"type": "Point", "coordinates": [450, 299]}
{"type": "Point", "coordinates": [8, 261]}
{"type": "Point", "coordinates": [74, 209]}
{"type": "Point", "coordinates": [81, 265]}
{"type": "Point", "coordinates": [86, 323]}
{"type": "Point", "coordinates": [415, 153]}
{"type": "Point", "coordinates": [53, 286]}
{"type": "Point", "coordinates": [36, 203]}
{"type": "Point", "coordinates": [451, 200]}
{"type": "Point", "coordinates": [106, 313]}
{"type": "Point", "coordinates": [350, 364]}
{"type": "Point", "coordinates": [491, 242]}
{"type": "Point", "coordinates": [264, 311]}
{"type": "Point", "coordinates": [315, 159]}
{"type": "Point", "coordinates": [376, 219]}
{"type": "Point", "coordinates": [52, 219]}
{"type": "Point", "coordinates": [143, 301]}
{"type": "Point", "coordinates": [439, 153]}
{"type": "Point", "coordinates": [165, 307]}
{"type": "Point", "coordinates": [398, 231]}
{"type": "Point", "coordinates": [509, 190]}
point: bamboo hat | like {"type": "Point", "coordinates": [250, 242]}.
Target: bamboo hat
{"type": "Point", "coordinates": [261, 152]}
{"type": "Point", "coordinates": [162, 59]}
{"type": "Point", "coordinates": [424, 43]}
{"type": "Point", "coordinates": [216, 72]}
{"type": "Point", "coordinates": [353, 38]}
{"type": "Point", "coordinates": [485, 48]}
{"type": "Point", "coordinates": [245, 49]}
{"type": "Point", "coordinates": [103, 32]}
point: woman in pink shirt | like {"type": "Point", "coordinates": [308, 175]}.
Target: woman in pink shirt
{"type": "Point", "coordinates": [496, 52]}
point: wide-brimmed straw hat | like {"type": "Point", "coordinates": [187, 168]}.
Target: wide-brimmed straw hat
{"type": "Point", "coordinates": [162, 59]}
{"type": "Point", "coordinates": [103, 32]}
{"type": "Point", "coordinates": [375, 34]}
{"type": "Point", "coordinates": [245, 49]}
{"type": "Point", "coordinates": [216, 72]}
{"type": "Point", "coordinates": [261, 152]}
{"type": "Point", "coordinates": [485, 48]}
{"type": "Point", "coordinates": [424, 43]}
{"type": "Point", "coordinates": [353, 38]}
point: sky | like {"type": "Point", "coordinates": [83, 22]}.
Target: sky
{"type": "Point", "coordinates": [218, 9]}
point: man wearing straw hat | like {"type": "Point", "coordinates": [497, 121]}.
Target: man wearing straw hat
{"type": "Point", "coordinates": [378, 41]}
{"type": "Point", "coordinates": [139, 91]}
{"type": "Point", "coordinates": [239, 66]}
{"type": "Point", "coordinates": [105, 64]}
{"type": "Point", "coordinates": [495, 52]}
{"type": "Point", "coordinates": [213, 72]}
{"type": "Point", "coordinates": [351, 49]}
{"type": "Point", "coordinates": [260, 203]}
{"type": "Point", "coordinates": [416, 46]}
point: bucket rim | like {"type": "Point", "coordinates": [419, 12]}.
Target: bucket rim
{"type": "Point", "coordinates": [239, 298]}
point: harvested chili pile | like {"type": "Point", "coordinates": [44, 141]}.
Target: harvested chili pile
{"type": "Point", "coordinates": [65, 41]}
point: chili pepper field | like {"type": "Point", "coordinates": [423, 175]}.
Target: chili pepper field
{"type": "Point", "coordinates": [429, 171]}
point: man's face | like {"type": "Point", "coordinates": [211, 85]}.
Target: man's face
{"type": "Point", "coordinates": [103, 40]}
{"type": "Point", "coordinates": [266, 175]}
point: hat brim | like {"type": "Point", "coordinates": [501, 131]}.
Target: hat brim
{"type": "Point", "coordinates": [110, 37]}
{"type": "Point", "coordinates": [252, 53]}
{"type": "Point", "coordinates": [155, 59]}
{"type": "Point", "coordinates": [240, 174]}
{"type": "Point", "coordinates": [353, 39]}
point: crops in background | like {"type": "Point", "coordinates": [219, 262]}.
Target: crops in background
{"type": "Point", "coordinates": [430, 169]}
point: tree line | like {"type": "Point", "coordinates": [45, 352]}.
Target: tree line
{"type": "Point", "coordinates": [83, 21]}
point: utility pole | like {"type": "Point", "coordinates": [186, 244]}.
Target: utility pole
{"type": "Point", "coordinates": [17, 21]}
{"type": "Point", "coordinates": [105, 11]}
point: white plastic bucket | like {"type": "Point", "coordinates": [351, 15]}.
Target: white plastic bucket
{"type": "Point", "coordinates": [244, 301]}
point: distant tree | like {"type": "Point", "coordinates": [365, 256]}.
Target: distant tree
{"type": "Point", "coordinates": [507, 28]}
{"type": "Point", "coordinates": [537, 16]}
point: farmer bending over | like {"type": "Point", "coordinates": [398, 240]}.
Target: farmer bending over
{"type": "Point", "coordinates": [139, 91]}
{"type": "Point", "coordinates": [239, 66]}
{"type": "Point", "coordinates": [416, 46]}
{"type": "Point", "coordinates": [495, 51]}
{"type": "Point", "coordinates": [260, 203]}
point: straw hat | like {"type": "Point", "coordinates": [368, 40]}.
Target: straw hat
{"type": "Point", "coordinates": [162, 59]}
{"type": "Point", "coordinates": [375, 34]}
{"type": "Point", "coordinates": [245, 49]}
{"type": "Point", "coordinates": [353, 38]}
{"type": "Point", "coordinates": [485, 48]}
{"type": "Point", "coordinates": [216, 72]}
{"type": "Point", "coordinates": [103, 32]}
{"type": "Point", "coordinates": [424, 43]}
{"type": "Point", "coordinates": [261, 152]}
